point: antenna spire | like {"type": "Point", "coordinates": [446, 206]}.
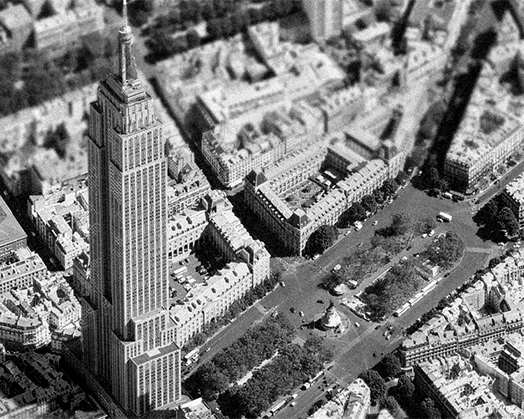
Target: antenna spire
{"type": "Point", "coordinates": [125, 12]}
{"type": "Point", "coordinates": [127, 66]}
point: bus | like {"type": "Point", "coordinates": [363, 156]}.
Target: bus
{"type": "Point", "coordinates": [457, 196]}
{"type": "Point", "coordinates": [316, 377]}
{"type": "Point", "coordinates": [444, 217]}
{"type": "Point", "coordinates": [428, 288]}
{"type": "Point", "coordinates": [401, 310]}
{"type": "Point", "coordinates": [416, 299]}
{"type": "Point", "coordinates": [191, 356]}
{"type": "Point", "coordinates": [277, 406]}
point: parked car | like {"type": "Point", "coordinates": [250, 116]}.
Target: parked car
{"type": "Point", "coordinates": [375, 222]}
{"type": "Point", "coordinates": [301, 313]}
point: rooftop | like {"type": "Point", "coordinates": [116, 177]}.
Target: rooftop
{"type": "Point", "coordinates": [10, 229]}
{"type": "Point", "coordinates": [515, 189]}
{"type": "Point", "coordinates": [493, 115]}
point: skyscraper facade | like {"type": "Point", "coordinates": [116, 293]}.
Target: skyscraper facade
{"type": "Point", "coordinates": [128, 337]}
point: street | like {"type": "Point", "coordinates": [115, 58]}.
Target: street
{"type": "Point", "coordinates": [361, 347]}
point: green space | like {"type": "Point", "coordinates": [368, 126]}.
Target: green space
{"type": "Point", "coordinates": [290, 365]}
{"type": "Point", "coordinates": [232, 363]}
{"type": "Point", "coordinates": [293, 366]}
{"type": "Point", "coordinates": [402, 281]}
{"type": "Point", "coordinates": [387, 243]}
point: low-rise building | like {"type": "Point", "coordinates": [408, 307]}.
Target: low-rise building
{"type": "Point", "coordinates": [16, 26]}
{"type": "Point", "coordinates": [214, 225]}
{"type": "Point", "coordinates": [187, 184]}
{"type": "Point", "coordinates": [460, 392]}
{"type": "Point", "coordinates": [513, 197]}
{"type": "Point", "coordinates": [21, 270]}
{"type": "Point", "coordinates": [34, 386]}
{"type": "Point", "coordinates": [60, 219]}
{"type": "Point", "coordinates": [211, 300]}
{"type": "Point", "coordinates": [26, 173]}
{"type": "Point", "coordinates": [351, 403]}
{"type": "Point", "coordinates": [194, 409]}
{"type": "Point", "coordinates": [465, 323]}
{"type": "Point", "coordinates": [270, 194]}
{"type": "Point", "coordinates": [490, 131]}
{"type": "Point", "coordinates": [12, 235]}
{"type": "Point", "coordinates": [58, 32]}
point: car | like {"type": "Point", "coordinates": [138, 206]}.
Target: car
{"type": "Point", "coordinates": [320, 301]}
{"type": "Point", "coordinates": [377, 326]}
{"type": "Point", "coordinates": [357, 324]}
{"type": "Point", "coordinates": [282, 284]}
{"type": "Point", "coordinates": [292, 309]}
{"type": "Point", "coordinates": [375, 222]}
{"type": "Point", "coordinates": [360, 244]}
{"type": "Point", "coordinates": [336, 267]}
{"type": "Point", "coordinates": [425, 235]}
{"type": "Point", "coordinates": [347, 233]}
{"type": "Point", "coordinates": [316, 257]}
{"type": "Point", "coordinates": [293, 404]}
{"type": "Point", "coordinates": [207, 350]}
{"type": "Point", "coordinates": [301, 313]}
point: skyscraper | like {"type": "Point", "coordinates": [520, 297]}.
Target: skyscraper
{"type": "Point", "coordinates": [127, 335]}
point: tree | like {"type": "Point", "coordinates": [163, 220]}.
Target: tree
{"type": "Point", "coordinates": [369, 203]}
{"type": "Point", "coordinates": [321, 239]}
{"type": "Point", "coordinates": [207, 382]}
{"type": "Point", "coordinates": [379, 196]}
{"type": "Point", "coordinates": [389, 187]}
{"type": "Point", "coordinates": [425, 225]}
{"type": "Point", "coordinates": [401, 224]}
{"type": "Point", "coordinates": [487, 213]}
{"type": "Point", "coordinates": [356, 212]}
{"type": "Point", "coordinates": [389, 367]}
{"type": "Point", "coordinates": [506, 220]}
{"type": "Point", "coordinates": [332, 280]}
{"type": "Point", "coordinates": [401, 178]}
{"type": "Point", "coordinates": [429, 410]}
{"type": "Point", "coordinates": [391, 405]}
{"type": "Point", "coordinates": [494, 262]}
{"type": "Point", "coordinates": [405, 388]}
{"type": "Point", "coordinates": [376, 384]}
{"type": "Point", "coordinates": [416, 158]}
{"type": "Point", "coordinates": [215, 29]}
{"type": "Point", "coordinates": [193, 39]}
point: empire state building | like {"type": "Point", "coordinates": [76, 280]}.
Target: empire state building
{"type": "Point", "coordinates": [127, 335]}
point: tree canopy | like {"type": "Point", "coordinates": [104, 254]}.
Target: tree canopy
{"type": "Point", "coordinates": [376, 384]}
{"type": "Point", "coordinates": [321, 239]}
{"type": "Point", "coordinates": [506, 220]}
{"type": "Point", "coordinates": [389, 366]}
